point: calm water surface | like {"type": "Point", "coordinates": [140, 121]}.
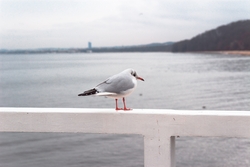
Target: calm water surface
{"type": "Point", "coordinates": [172, 81]}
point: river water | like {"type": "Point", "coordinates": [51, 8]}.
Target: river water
{"type": "Point", "coordinates": [190, 81]}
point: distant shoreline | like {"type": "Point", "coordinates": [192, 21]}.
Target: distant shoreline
{"type": "Point", "coordinates": [234, 52]}
{"type": "Point", "coordinates": [119, 50]}
{"type": "Point", "coordinates": [246, 52]}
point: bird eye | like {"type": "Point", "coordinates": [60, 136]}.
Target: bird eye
{"type": "Point", "coordinates": [133, 73]}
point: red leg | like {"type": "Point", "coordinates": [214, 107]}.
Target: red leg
{"type": "Point", "coordinates": [124, 103]}
{"type": "Point", "coordinates": [116, 105]}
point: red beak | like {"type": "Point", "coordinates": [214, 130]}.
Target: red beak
{"type": "Point", "coordinates": [140, 78]}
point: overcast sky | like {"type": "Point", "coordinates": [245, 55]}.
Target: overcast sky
{"type": "Point", "coordinates": [72, 23]}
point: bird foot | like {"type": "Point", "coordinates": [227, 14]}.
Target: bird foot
{"type": "Point", "coordinates": [125, 109]}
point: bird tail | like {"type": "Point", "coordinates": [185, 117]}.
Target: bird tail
{"type": "Point", "coordinates": [89, 92]}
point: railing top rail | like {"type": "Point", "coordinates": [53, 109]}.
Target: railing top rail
{"type": "Point", "coordinates": [134, 111]}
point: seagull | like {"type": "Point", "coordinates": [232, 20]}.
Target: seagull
{"type": "Point", "coordinates": [116, 86]}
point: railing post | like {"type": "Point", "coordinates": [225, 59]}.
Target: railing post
{"type": "Point", "coordinates": [159, 152]}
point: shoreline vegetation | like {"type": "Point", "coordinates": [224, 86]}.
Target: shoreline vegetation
{"type": "Point", "coordinates": [239, 52]}
{"type": "Point", "coordinates": [229, 52]}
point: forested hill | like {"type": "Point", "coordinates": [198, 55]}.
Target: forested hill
{"type": "Point", "coordinates": [234, 36]}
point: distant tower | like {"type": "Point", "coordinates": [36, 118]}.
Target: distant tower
{"type": "Point", "coordinates": [89, 50]}
{"type": "Point", "coordinates": [90, 45]}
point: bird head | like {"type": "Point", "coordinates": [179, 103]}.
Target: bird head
{"type": "Point", "coordinates": [134, 74]}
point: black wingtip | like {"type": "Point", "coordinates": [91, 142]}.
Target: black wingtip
{"type": "Point", "coordinates": [82, 94]}
{"type": "Point", "coordinates": [88, 92]}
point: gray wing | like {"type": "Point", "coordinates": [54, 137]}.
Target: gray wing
{"type": "Point", "coordinates": [116, 84]}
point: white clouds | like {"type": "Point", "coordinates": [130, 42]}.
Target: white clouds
{"type": "Point", "coordinates": [71, 23]}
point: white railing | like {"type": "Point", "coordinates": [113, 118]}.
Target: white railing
{"type": "Point", "coordinates": [158, 127]}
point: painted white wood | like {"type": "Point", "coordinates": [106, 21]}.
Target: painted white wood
{"type": "Point", "coordinates": [158, 127]}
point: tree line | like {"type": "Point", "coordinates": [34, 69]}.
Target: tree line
{"type": "Point", "coordinates": [234, 36]}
